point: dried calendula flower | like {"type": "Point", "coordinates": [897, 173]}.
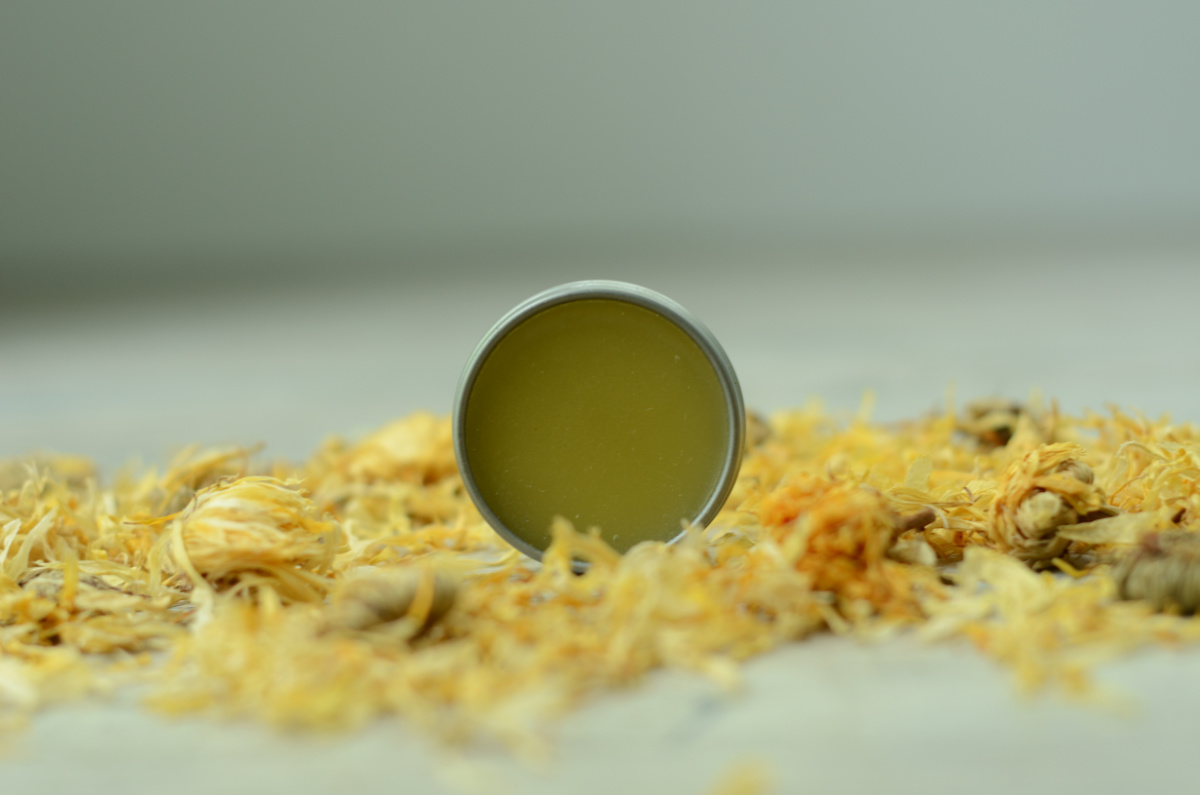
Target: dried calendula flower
{"type": "Point", "coordinates": [70, 469]}
{"type": "Point", "coordinates": [1047, 488]}
{"type": "Point", "coordinates": [840, 534]}
{"type": "Point", "coordinates": [257, 530]}
{"type": "Point", "coordinates": [758, 429]}
{"type": "Point", "coordinates": [86, 612]}
{"type": "Point", "coordinates": [402, 476]}
{"type": "Point", "coordinates": [369, 598]}
{"type": "Point", "coordinates": [909, 546]}
{"type": "Point", "coordinates": [192, 470]}
{"type": "Point", "coordinates": [416, 449]}
{"type": "Point", "coordinates": [1163, 569]}
{"type": "Point", "coordinates": [991, 420]}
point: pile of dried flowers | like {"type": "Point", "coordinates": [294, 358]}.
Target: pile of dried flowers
{"type": "Point", "coordinates": [364, 583]}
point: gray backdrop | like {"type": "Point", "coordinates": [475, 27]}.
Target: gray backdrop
{"type": "Point", "coordinates": [165, 145]}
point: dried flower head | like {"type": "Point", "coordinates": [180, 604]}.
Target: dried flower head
{"type": "Point", "coordinates": [1163, 569]}
{"type": "Point", "coordinates": [841, 534]}
{"type": "Point", "coordinates": [372, 597]}
{"type": "Point", "coordinates": [1047, 488]}
{"type": "Point", "coordinates": [254, 531]}
{"type": "Point", "coordinates": [991, 420]}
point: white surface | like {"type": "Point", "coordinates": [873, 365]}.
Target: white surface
{"type": "Point", "coordinates": [827, 716]}
{"type": "Point", "coordinates": [116, 380]}
{"type": "Point", "coordinates": [830, 716]}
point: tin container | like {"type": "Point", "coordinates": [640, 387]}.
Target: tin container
{"type": "Point", "coordinates": [604, 403]}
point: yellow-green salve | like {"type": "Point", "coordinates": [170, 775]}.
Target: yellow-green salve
{"type": "Point", "coordinates": [602, 412]}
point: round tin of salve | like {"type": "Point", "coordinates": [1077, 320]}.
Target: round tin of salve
{"type": "Point", "coordinates": [604, 403]}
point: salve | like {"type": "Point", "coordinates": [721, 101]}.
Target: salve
{"type": "Point", "coordinates": [593, 406]}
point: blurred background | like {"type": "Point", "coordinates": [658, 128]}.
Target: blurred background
{"type": "Point", "coordinates": [270, 221]}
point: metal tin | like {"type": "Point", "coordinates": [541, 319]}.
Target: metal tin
{"type": "Point", "coordinates": [616, 291]}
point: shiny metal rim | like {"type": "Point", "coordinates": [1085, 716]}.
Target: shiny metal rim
{"type": "Point", "coordinates": [618, 291]}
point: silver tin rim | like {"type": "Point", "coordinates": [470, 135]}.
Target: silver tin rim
{"type": "Point", "coordinates": [619, 291]}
